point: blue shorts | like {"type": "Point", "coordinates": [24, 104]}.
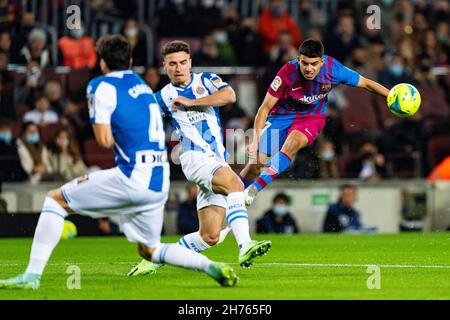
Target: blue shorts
{"type": "Point", "coordinates": [278, 127]}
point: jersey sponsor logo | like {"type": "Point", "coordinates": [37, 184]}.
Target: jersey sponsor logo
{"type": "Point", "coordinates": [195, 115]}
{"type": "Point", "coordinates": [276, 83]}
{"type": "Point", "coordinates": [139, 89]}
{"type": "Point", "coordinates": [200, 90]}
{"type": "Point", "coordinates": [151, 157]}
{"type": "Point", "coordinates": [312, 99]}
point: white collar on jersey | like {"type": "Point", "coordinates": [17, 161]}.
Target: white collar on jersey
{"type": "Point", "coordinates": [118, 73]}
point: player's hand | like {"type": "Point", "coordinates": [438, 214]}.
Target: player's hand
{"type": "Point", "coordinates": [252, 151]}
{"type": "Point", "coordinates": [180, 102]}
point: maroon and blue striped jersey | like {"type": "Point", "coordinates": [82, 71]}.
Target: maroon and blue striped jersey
{"type": "Point", "coordinates": [308, 98]}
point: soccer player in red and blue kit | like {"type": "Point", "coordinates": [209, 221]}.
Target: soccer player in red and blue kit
{"type": "Point", "coordinates": [293, 112]}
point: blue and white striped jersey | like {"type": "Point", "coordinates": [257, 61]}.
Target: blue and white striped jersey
{"type": "Point", "coordinates": [124, 101]}
{"type": "Point", "coordinates": [199, 128]}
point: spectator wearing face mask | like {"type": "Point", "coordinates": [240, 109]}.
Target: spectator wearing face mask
{"type": "Point", "coordinates": [226, 50]}
{"type": "Point", "coordinates": [275, 19]}
{"type": "Point", "coordinates": [33, 154]}
{"type": "Point", "coordinates": [137, 41]}
{"type": "Point", "coordinates": [65, 157]}
{"type": "Point", "coordinates": [278, 219]}
{"type": "Point", "coordinates": [209, 54]}
{"type": "Point", "coordinates": [10, 167]}
{"type": "Point", "coordinates": [77, 50]}
{"type": "Point", "coordinates": [396, 73]}
{"type": "Point", "coordinates": [328, 167]}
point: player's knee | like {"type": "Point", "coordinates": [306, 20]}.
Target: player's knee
{"type": "Point", "coordinates": [234, 184]}
{"type": "Point", "coordinates": [211, 238]}
{"type": "Point", "coordinates": [237, 184]}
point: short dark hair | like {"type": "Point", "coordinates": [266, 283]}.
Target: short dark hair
{"type": "Point", "coordinates": [28, 124]}
{"type": "Point", "coordinates": [115, 50]}
{"type": "Point", "coordinates": [6, 123]}
{"type": "Point", "coordinates": [281, 196]}
{"type": "Point", "coordinates": [175, 46]}
{"type": "Point", "coordinates": [347, 186]}
{"type": "Point", "coordinates": [311, 48]}
{"type": "Point", "coordinates": [40, 94]}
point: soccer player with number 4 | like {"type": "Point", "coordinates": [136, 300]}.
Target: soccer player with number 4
{"type": "Point", "coordinates": [293, 113]}
{"type": "Point", "coordinates": [125, 115]}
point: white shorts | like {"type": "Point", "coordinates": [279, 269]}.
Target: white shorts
{"type": "Point", "coordinates": [109, 192]}
{"type": "Point", "coordinates": [199, 168]}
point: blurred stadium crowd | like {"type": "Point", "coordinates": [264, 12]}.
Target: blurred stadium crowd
{"type": "Point", "coordinates": [44, 68]}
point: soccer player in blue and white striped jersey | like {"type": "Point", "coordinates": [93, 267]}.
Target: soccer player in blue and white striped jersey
{"type": "Point", "coordinates": [191, 102]}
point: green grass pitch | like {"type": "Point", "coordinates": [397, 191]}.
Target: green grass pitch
{"type": "Point", "coordinates": [308, 266]}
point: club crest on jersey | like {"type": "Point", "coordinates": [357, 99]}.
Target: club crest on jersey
{"type": "Point", "coordinates": [200, 90]}
{"type": "Point", "coordinates": [276, 83]}
{"type": "Point", "coordinates": [326, 87]}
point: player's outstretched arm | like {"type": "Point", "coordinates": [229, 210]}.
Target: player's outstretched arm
{"type": "Point", "coordinates": [260, 120]}
{"type": "Point", "coordinates": [218, 99]}
{"type": "Point", "coordinates": [373, 86]}
{"type": "Point", "coordinates": [103, 135]}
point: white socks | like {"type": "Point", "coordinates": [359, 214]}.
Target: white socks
{"type": "Point", "coordinates": [179, 256]}
{"type": "Point", "coordinates": [237, 218]}
{"type": "Point", "coordinates": [195, 242]}
{"type": "Point", "coordinates": [47, 235]}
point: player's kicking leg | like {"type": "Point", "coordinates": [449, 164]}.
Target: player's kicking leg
{"type": "Point", "coordinates": [277, 165]}
{"type": "Point", "coordinates": [145, 229]}
{"type": "Point", "coordinates": [182, 257]}
{"type": "Point", "coordinates": [210, 233]}
{"type": "Point", "coordinates": [46, 237]}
